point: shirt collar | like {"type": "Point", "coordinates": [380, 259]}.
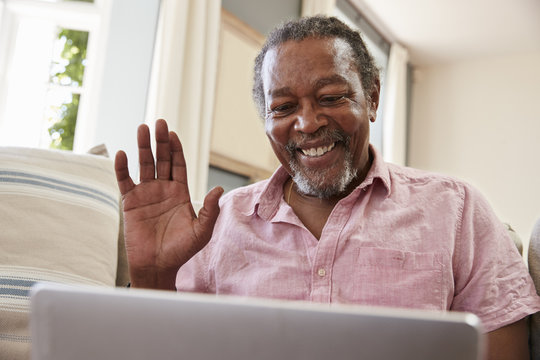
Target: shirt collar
{"type": "Point", "coordinates": [379, 170]}
{"type": "Point", "coordinates": [267, 204]}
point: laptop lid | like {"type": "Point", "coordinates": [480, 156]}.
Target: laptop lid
{"type": "Point", "coordinates": [101, 323]}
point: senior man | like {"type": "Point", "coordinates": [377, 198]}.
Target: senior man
{"type": "Point", "coordinates": [334, 223]}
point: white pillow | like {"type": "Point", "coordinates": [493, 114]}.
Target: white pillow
{"type": "Point", "coordinates": [59, 222]}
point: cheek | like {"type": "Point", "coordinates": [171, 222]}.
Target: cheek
{"type": "Point", "coordinates": [281, 154]}
{"type": "Point", "coordinates": [360, 132]}
{"type": "Point", "coordinates": [357, 125]}
{"type": "Point", "coordinates": [357, 120]}
{"type": "Point", "coordinates": [277, 132]}
{"type": "Point", "coordinates": [277, 135]}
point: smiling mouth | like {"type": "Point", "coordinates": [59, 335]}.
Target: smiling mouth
{"type": "Point", "coordinates": [318, 151]}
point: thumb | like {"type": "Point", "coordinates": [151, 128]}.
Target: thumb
{"type": "Point", "coordinates": [204, 224]}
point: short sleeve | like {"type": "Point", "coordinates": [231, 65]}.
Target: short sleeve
{"type": "Point", "coordinates": [491, 278]}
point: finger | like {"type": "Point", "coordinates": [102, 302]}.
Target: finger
{"type": "Point", "coordinates": [146, 158]}
{"type": "Point", "coordinates": [125, 184]}
{"type": "Point", "coordinates": [163, 153]}
{"type": "Point", "coordinates": [204, 224]}
{"type": "Point", "coordinates": [178, 171]}
{"type": "Point", "coordinates": [211, 202]}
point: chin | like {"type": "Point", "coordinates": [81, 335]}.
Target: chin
{"type": "Point", "coordinates": [323, 183]}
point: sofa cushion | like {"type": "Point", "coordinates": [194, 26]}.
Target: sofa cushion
{"type": "Point", "coordinates": [59, 217]}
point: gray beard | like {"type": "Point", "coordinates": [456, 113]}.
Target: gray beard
{"type": "Point", "coordinates": [312, 181]}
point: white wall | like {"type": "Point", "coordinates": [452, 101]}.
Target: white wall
{"type": "Point", "coordinates": [480, 121]}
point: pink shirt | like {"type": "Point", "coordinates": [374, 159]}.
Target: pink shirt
{"type": "Point", "coordinates": [403, 238]}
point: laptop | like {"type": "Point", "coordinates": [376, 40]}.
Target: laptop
{"type": "Point", "coordinates": [88, 323]}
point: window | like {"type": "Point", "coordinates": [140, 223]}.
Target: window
{"type": "Point", "coordinates": [44, 46]}
{"type": "Point", "coordinates": [228, 180]}
{"type": "Point", "coordinates": [65, 87]}
{"type": "Point", "coordinates": [379, 49]}
{"type": "Point", "coordinates": [109, 93]}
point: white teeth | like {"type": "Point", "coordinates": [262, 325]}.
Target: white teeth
{"type": "Point", "coordinates": [318, 151]}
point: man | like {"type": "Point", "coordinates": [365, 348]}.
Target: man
{"type": "Point", "coordinates": [334, 223]}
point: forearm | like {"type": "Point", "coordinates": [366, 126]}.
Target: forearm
{"type": "Point", "coordinates": [509, 342]}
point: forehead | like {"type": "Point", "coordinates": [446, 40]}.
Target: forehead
{"type": "Point", "coordinates": [305, 59]}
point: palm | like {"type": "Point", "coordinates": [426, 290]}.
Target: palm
{"type": "Point", "coordinates": [158, 224]}
{"type": "Point", "coordinates": [162, 231]}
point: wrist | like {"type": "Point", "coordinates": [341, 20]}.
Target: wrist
{"type": "Point", "coordinates": [162, 280]}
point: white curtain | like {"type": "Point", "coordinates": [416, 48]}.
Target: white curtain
{"type": "Point", "coordinates": [394, 104]}
{"type": "Point", "coordinates": [183, 80]}
{"type": "Point", "coordinates": [318, 7]}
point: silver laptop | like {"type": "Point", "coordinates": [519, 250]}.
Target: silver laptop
{"type": "Point", "coordinates": [85, 323]}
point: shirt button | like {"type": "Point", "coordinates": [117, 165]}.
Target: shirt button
{"type": "Point", "coordinates": [321, 272]}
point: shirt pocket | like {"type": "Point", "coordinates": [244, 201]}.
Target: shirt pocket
{"type": "Point", "coordinates": [389, 277]}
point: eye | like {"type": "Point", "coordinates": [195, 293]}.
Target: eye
{"type": "Point", "coordinates": [331, 99]}
{"type": "Point", "coordinates": [283, 109]}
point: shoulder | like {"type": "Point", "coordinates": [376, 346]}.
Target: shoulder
{"type": "Point", "coordinates": [439, 192]}
{"type": "Point", "coordinates": [412, 181]}
{"type": "Point", "coordinates": [413, 176]}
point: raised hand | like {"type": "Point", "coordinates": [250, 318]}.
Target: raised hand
{"type": "Point", "coordinates": [162, 231]}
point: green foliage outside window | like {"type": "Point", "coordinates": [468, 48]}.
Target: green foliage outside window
{"type": "Point", "coordinates": [62, 132]}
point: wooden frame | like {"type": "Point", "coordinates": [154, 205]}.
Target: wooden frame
{"type": "Point", "coordinates": [242, 29]}
{"type": "Point", "coordinates": [238, 167]}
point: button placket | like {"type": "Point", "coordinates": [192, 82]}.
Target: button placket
{"type": "Point", "coordinates": [326, 252]}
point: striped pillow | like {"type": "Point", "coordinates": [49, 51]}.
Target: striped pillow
{"type": "Point", "coordinates": [60, 219]}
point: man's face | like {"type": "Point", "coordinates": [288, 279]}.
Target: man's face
{"type": "Point", "coordinates": [317, 116]}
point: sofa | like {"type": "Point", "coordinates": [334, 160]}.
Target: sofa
{"type": "Point", "coordinates": [60, 220]}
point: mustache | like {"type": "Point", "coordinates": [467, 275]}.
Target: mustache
{"type": "Point", "coordinates": [324, 134]}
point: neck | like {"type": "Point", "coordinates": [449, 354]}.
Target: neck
{"type": "Point", "coordinates": [314, 211]}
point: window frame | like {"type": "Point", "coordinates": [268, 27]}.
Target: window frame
{"type": "Point", "coordinates": [380, 50]}
{"type": "Point", "coordinates": [117, 78]}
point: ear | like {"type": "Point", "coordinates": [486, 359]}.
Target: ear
{"type": "Point", "coordinates": [374, 100]}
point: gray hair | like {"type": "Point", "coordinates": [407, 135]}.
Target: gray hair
{"type": "Point", "coordinates": [316, 27]}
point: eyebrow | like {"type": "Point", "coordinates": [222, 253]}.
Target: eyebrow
{"type": "Point", "coordinates": [319, 83]}
{"type": "Point", "coordinates": [284, 91]}
{"type": "Point", "coordinates": [334, 79]}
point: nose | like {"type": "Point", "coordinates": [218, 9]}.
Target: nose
{"type": "Point", "coordinates": [309, 118]}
